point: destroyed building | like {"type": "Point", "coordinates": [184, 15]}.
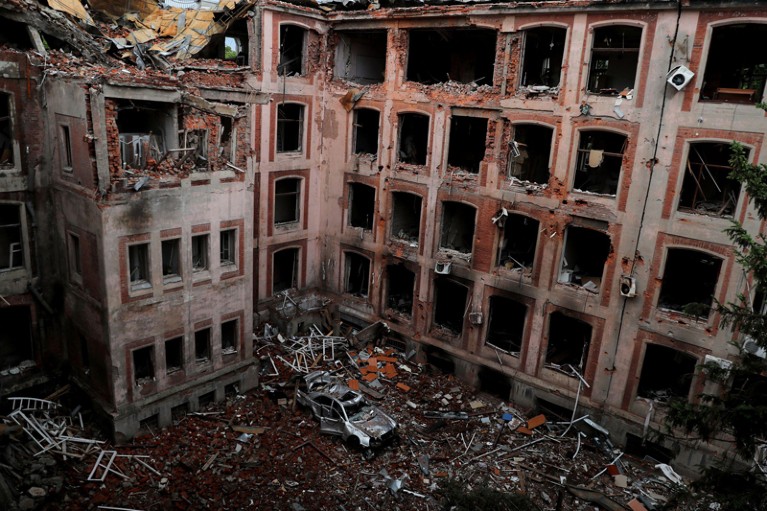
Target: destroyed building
{"type": "Point", "coordinates": [532, 195]}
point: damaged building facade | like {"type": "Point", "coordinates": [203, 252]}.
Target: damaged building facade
{"type": "Point", "coordinates": [520, 190]}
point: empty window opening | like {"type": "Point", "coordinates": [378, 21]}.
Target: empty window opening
{"type": "Point", "coordinates": [357, 277]}
{"type": "Point", "coordinates": [206, 399]}
{"type": "Point", "coordinates": [362, 203]}
{"type": "Point", "coordinates": [200, 252]}
{"type": "Point", "coordinates": [413, 138]}
{"type": "Point", "coordinates": [400, 284]}
{"type": "Point", "coordinates": [6, 130]}
{"type": "Point", "coordinates": [285, 270]}
{"type": "Point", "coordinates": [231, 45]}
{"type": "Point", "coordinates": [226, 140]}
{"type": "Point", "coordinates": [171, 267]}
{"type": "Point", "coordinates": [507, 324]}
{"type": "Point", "coordinates": [689, 282]}
{"type": "Point", "coordinates": [439, 359]}
{"type": "Point", "coordinates": [599, 161]}
{"type": "Point", "coordinates": [290, 127]}
{"type": "Point", "coordinates": [457, 227]}
{"type": "Point", "coordinates": [543, 53]}
{"type": "Point", "coordinates": [707, 188]}
{"type": "Point", "coordinates": [666, 373]}
{"type": "Point", "coordinates": [552, 409]}
{"type": "Point", "coordinates": [518, 242]}
{"type": "Point", "coordinates": [145, 128]}
{"type": "Point", "coordinates": [195, 148]}
{"type": "Point", "coordinates": [228, 247]}
{"type": "Point", "coordinates": [143, 365]}
{"type": "Point", "coordinates": [231, 390]}
{"type": "Point", "coordinates": [735, 75]}
{"type": "Point", "coordinates": [529, 153]}
{"type": "Point", "coordinates": [640, 447]}
{"type": "Point", "coordinates": [202, 345]}
{"type": "Point", "coordinates": [361, 56]}
{"type": "Point", "coordinates": [138, 261]}
{"type": "Point", "coordinates": [15, 336]}
{"type": "Point", "coordinates": [150, 425]}
{"type": "Point", "coordinates": [366, 121]}
{"type": "Point", "coordinates": [614, 58]}
{"type": "Point", "coordinates": [468, 139]}
{"type": "Point", "coordinates": [75, 261]}
{"type": "Point", "coordinates": [450, 305]}
{"type": "Point", "coordinates": [66, 147]}
{"type": "Point", "coordinates": [174, 355]}
{"type": "Point", "coordinates": [11, 244]}
{"type": "Point", "coordinates": [494, 383]}
{"type": "Point", "coordinates": [406, 217]}
{"type": "Point", "coordinates": [229, 337]}
{"type": "Point", "coordinates": [584, 257]}
{"type": "Point", "coordinates": [292, 46]}
{"type": "Point", "coordinates": [287, 200]}
{"type": "Point", "coordinates": [459, 55]}
{"type": "Point", "coordinates": [569, 340]}
{"type": "Point", "coordinates": [178, 412]}
{"type": "Point", "coordinates": [15, 35]}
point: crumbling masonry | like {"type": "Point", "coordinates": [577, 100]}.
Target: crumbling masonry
{"type": "Point", "coordinates": [515, 188]}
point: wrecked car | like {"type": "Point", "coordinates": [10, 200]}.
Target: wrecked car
{"type": "Point", "coordinates": [345, 412]}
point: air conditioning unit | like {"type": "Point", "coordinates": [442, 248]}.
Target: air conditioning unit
{"type": "Point", "coordinates": [628, 286]}
{"type": "Point", "coordinates": [751, 346]}
{"type": "Point", "coordinates": [679, 77]}
{"type": "Point", "coordinates": [723, 364]}
{"type": "Point", "coordinates": [476, 318]}
{"type": "Point", "coordinates": [442, 268]}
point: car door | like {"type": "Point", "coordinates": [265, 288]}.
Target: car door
{"type": "Point", "coordinates": [335, 421]}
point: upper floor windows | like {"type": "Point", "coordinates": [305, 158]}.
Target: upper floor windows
{"type": "Point", "coordinates": [707, 188]}
{"type": "Point", "coordinates": [599, 161]}
{"type": "Point", "coordinates": [361, 56]}
{"type": "Point", "coordinates": [517, 247]}
{"type": "Point", "coordinates": [530, 153]}
{"type": "Point", "coordinates": [689, 282]}
{"type": "Point", "coordinates": [406, 217]}
{"type": "Point", "coordinates": [11, 237]}
{"type": "Point", "coordinates": [451, 54]}
{"type": "Point", "coordinates": [366, 121]}
{"type": "Point", "coordinates": [146, 131]}
{"type": "Point", "coordinates": [413, 138]}
{"type": "Point", "coordinates": [6, 130]}
{"type": "Point", "coordinates": [583, 258]}
{"type": "Point", "coordinates": [468, 140]}
{"type": "Point", "coordinates": [287, 200]}
{"type": "Point", "coordinates": [543, 55]}
{"type": "Point", "coordinates": [457, 232]}
{"type": "Point", "coordinates": [292, 49]}
{"type": "Point", "coordinates": [290, 127]}
{"type": "Point", "coordinates": [733, 73]}
{"type": "Point", "coordinates": [138, 265]}
{"type": "Point", "coordinates": [362, 203]}
{"type": "Point", "coordinates": [614, 58]}
{"type": "Point", "coordinates": [228, 247]}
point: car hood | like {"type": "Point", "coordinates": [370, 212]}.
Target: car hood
{"type": "Point", "coordinates": [374, 422]}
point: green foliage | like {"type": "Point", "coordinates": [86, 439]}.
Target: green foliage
{"type": "Point", "coordinates": [458, 495]}
{"type": "Point", "coordinates": [229, 53]}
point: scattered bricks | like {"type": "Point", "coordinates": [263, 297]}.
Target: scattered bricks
{"type": "Point", "coordinates": [635, 505]}
{"type": "Point", "coordinates": [353, 384]}
{"type": "Point", "coordinates": [403, 387]}
{"type": "Point", "coordinates": [524, 430]}
{"type": "Point", "coordinates": [370, 377]}
{"type": "Point", "coordinates": [613, 470]}
{"type": "Point", "coordinates": [536, 421]}
{"type": "Point", "coordinates": [390, 371]}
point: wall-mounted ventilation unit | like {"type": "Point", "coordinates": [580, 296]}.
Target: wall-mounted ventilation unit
{"type": "Point", "coordinates": [628, 286]}
{"type": "Point", "coordinates": [476, 318]}
{"type": "Point", "coordinates": [751, 346]}
{"type": "Point", "coordinates": [679, 77]}
{"type": "Point", "coordinates": [442, 268]}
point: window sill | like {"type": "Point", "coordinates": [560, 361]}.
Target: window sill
{"type": "Point", "coordinates": [171, 279]}
{"type": "Point", "coordinates": [228, 351]}
{"type": "Point", "coordinates": [141, 288]}
{"type": "Point", "coordinates": [293, 225]}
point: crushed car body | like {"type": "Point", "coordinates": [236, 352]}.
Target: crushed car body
{"type": "Point", "coordinates": [345, 412]}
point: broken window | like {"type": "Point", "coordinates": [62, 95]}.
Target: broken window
{"type": "Point", "coordinates": [231, 45]}
{"type": "Point", "coordinates": [468, 139]}
{"type": "Point", "coordinates": [459, 55]}
{"type": "Point", "coordinates": [229, 337]}
{"type": "Point", "coordinates": [506, 324]}
{"type": "Point", "coordinates": [138, 263]}
{"type": "Point", "coordinates": [406, 217]}
{"type": "Point", "coordinates": [366, 121]}
{"type": "Point", "coordinates": [195, 148]}
{"type": "Point", "coordinates": [400, 285]}
{"type": "Point", "coordinates": [15, 336]}
{"type": "Point", "coordinates": [569, 340]}
{"type": "Point", "coordinates": [174, 355]}
{"type": "Point", "coordinates": [228, 247]}
{"type": "Point", "coordinates": [361, 56]}
{"type": "Point", "coordinates": [543, 53]}
{"type": "Point", "coordinates": [226, 139]}
{"type": "Point", "coordinates": [75, 262]}
{"type": "Point", "coordinates": [457, 227]}
{"type": "Point", "coordinates": [171, 266]}
{"type": "Point", "coordinates": [357, 278]}
{"type": "Point", "coordinates": [362, 203]}
{"type": "Point", "coordinates": [202, 345]}
{"type": "Point", "coordinates": [450, 304]}
{"type": "Point", "coordinates": [290, 127]}
{"type": "Point", "coordinates": [666, 373]}
{"type": "Point", "coordinates": [11, 241]}
{"type": "Point", "coordinates": [520, 237]}
{"type": "Point", "coordinates": [143, 365]}
{"type": "Point", "coordinates": [599, 161]}
{"type": "Point", "coordinates": [6, 130]}
{"type": "Point", "coordinates": [689, 282]}
{"type": "Point", "coordinates": [285, 270]}
{"type": "Point", "coordinates": [413, 138]}
{"type": "Point", "coordinates": [614, 58]}
{"type": "Point", "coordinates": [707, 188]}
{"type": "Point", "coordinates": [584, 257]}
{"type": "Point", "coordinates": [287, 200]}
{"type": "Point", "coordinates": [529, 153]}
{"type": "Point", "coordinates": [145, 128]}
{"type": "Point", "coordinates": [66, 148]}
{"type": "Point", "coordinates": [735, 74]}
{"type": "Point", "coordinates": [200, 252]}
{"type": "Point", "coordinates": [15, 34]}
{"type": "Point", "coordinates": [292, 44]}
